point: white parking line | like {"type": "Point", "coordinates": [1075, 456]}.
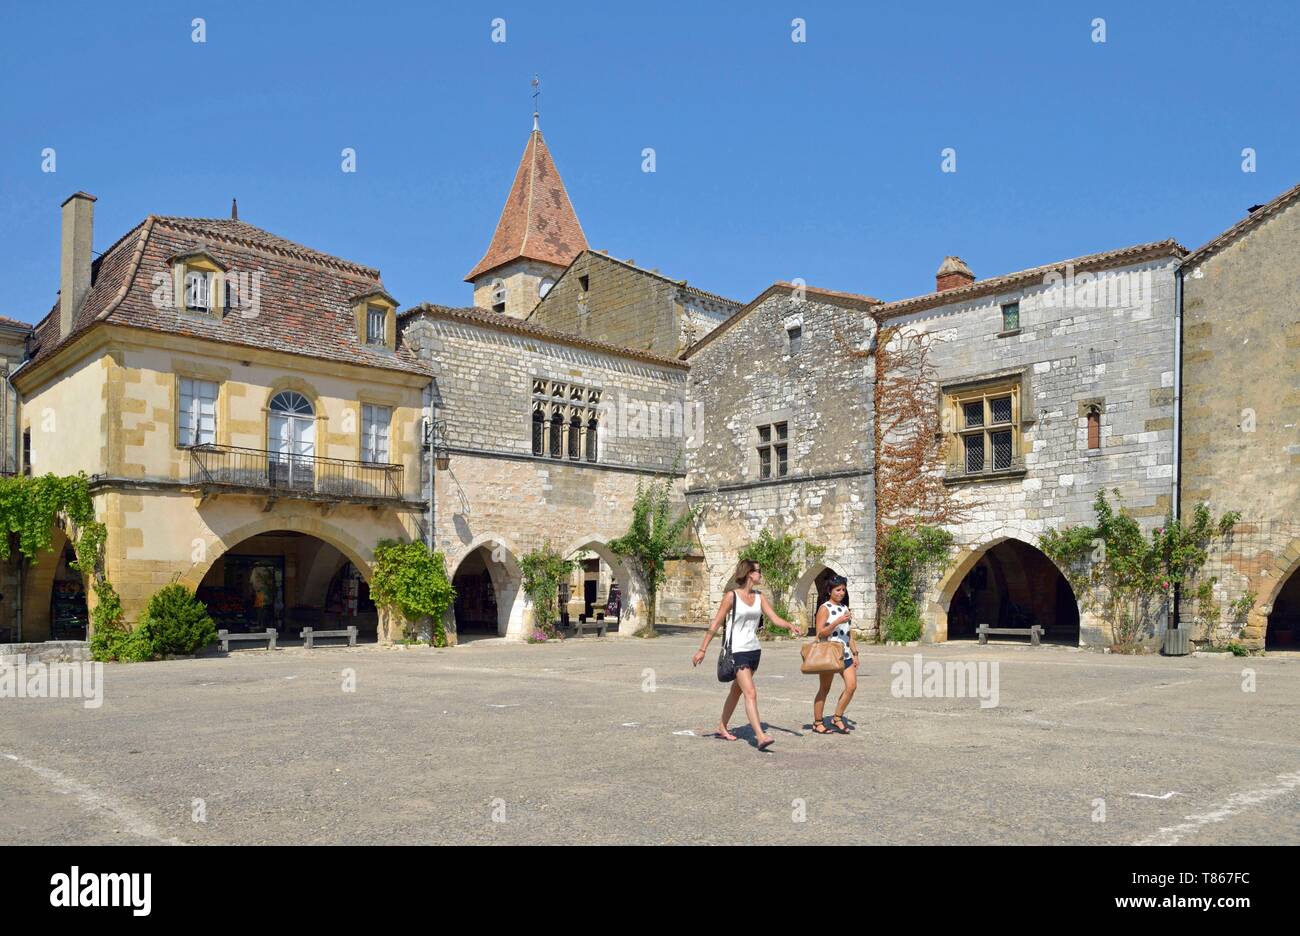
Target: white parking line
{"type": "Point", "coordinates": [92, 801]}
{"type": "Point", "coordinates": [1234, 804]}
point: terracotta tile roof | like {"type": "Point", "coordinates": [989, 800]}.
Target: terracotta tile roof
{"type": "Point", "coordinates": [834, 297]}
{"type": "Point", "coordinates": [477, 316]}
{"type": "Point", "coordinates": [538, 221]}
{"type": "Point", "coordinates": [1110, 258]}
{"type": "Point", "coordinates": [1241, 227]}
{"type": "Point", "coordinates": [14, 323]}
{"type": "Point", "coordinates": [304, 304]}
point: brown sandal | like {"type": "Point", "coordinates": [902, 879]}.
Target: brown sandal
{"type": "Point", "coordinates": [838, 722]}
{"type": "Point", "coordinates": [820, 728]}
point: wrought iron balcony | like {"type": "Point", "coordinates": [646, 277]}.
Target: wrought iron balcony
{"type": "Point", "coordinates": [304, 476]}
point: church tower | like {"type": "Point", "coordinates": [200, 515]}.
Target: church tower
{"type": "Point", "coordinates": [537, 237]}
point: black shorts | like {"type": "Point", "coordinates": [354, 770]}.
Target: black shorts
{"type": "Point", "coordinates": [747, 659]}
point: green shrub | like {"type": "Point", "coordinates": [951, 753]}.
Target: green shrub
{"type": "Point", "coordinates": [411, 579]}
{"type": "Point", "coordinates": [907, 554]}
{"type": "Point", "coordinates": [176, 622]}
{"type": "Point", "coordinates": [544, 570]}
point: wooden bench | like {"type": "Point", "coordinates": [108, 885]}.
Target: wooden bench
{"type": "Point", "coordinates": [1033, 633]}
{"type": "Point", "coordinates": [598, 624]}
{"type": "Point", "coordinates": [310, 634]}
{"type": "Point", "coordinates": [226, 637]}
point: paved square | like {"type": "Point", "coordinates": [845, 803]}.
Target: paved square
{"type": "Point", "coordinates": [565, 743]}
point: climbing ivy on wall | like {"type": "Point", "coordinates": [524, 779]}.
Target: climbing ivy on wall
{"type": "Point", "coordinates": [411, 579]}
{"type": "Point", "coordinates": [1124, 575]}
{"type": "Point", "coordinates": [30, 509]}
{"type": "Point", "coordinates": [544, 569]}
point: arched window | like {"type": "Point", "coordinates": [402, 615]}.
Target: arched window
{"type": "Point", "coordinates": [557, 435]}
{"type": "Point", "coordinates": [592, 426]}
{"type": "Point", "coordinates": [1094, 427]}
{"type": "Point", "coordinates": [291, 439]}
{"type": "Point", "coordinates": [539, 431]}
{"type": "Point", "coordinates": [575, 437]}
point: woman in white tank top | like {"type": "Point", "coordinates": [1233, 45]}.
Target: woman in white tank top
{"type": "Point", "coordinates": [835, 623]}
{"type": "Point", "coordinates": [750, 606]}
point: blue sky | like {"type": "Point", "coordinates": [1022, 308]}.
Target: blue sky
{"type": "Point", "coordinates": [774, 159]}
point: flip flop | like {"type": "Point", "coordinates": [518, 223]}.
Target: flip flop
{"type": "Point", "coordinates": [764, 745]}
{"type": "Point", "coordinates": [725, 737]}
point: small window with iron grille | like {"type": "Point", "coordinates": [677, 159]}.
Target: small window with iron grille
{"type": "Point", "coordinates": [987, 429]}
{"type": "Point", "coordinates": [1011, 317]}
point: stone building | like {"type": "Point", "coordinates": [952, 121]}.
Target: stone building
{"type": "Point", "coordinates": [619, 303]}
{"type": "Point", "coordinates": [1240, 447]}
{"type": "Point", "coordinates": [249, 422]}
{"type": "Point", "coordinates": [257, 416]}
{"type": "Point", "coordinates": [14, 336]}
{"type": "Point", "coordinates": [1052, 383]}
{"type": "Point", "coordinates": [549, 435]}
{"type": "Point", "coordinates": [536, 238]}
{"type": "Point", "coordinates": [784, 392]}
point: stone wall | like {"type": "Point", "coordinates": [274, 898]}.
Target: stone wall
{"type": "Point", "coordinates": [612, 301]}
{"type": "Point", "coordinates": [485, 392]}
{"type": "Point", "coordinates": [746, 377]}
{"type": "Point", "coordinates": [1108, 348]}
{"type": "Point", "coordinates": [1241, 394]}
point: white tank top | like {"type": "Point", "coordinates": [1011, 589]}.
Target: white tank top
{"type": "Point", "coordinates": [744, 625]}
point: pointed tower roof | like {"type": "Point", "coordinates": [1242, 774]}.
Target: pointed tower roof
{"type": "Point", "coordinates": [538, 221]}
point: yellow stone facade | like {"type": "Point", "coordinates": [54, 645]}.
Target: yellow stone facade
{"type": "Point", "coordinates": [108, 405]}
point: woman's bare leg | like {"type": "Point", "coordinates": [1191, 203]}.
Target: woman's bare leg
{"type": "Point", "coordinates": [850, 686]}
{"type": "Point", "coordinates": [819, 700]}
{"type": "Point", "coordinates": [745, 680]}
{"type": "Point", "coordinates": [728, 709]}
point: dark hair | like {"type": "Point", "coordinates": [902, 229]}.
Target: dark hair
{"type": "Point", "coordinates": [743, 568]}
{"type": "Point", "coordinates": [834, 582]}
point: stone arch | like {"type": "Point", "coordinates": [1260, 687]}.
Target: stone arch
{"type": "Point", "coordinates": [514, 618]}
{"type": "Point", "coordinates": [635, 610]}
{"type": "Point", "coordinates": [1285, 567]}
{"type": "Point", "coordinates": [359, 555]}
{"type": "Point", "coordinates": [38, 587]}
{"type": "Point", "coordinates": [322, 571]}
{"type": "Point", "coordinates": [938, 597]}
{"type": "Point", "coordinates": [801, 604]}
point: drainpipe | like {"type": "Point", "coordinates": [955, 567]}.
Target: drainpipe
{"type": "Point", "coordinates": [1171, 617]}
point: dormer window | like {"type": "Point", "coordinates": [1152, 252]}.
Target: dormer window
{"type": "Point", "coordinates": [376, 313]}
{"type": "Point", "coordinates": [376, 325]}
{"type": "Point", "coordinates": [198, 290]}
{"type": "Point", "coordinates": [198, 282]}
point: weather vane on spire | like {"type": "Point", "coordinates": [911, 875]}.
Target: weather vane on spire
{"type": "Point", "coordinates": [537, 93]}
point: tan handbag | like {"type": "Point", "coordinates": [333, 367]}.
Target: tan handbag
{"type": "Point", "coordinates": [822, 656]}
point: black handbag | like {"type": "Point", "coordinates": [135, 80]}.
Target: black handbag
{"type": "Point", "coordinates": [726, 662]}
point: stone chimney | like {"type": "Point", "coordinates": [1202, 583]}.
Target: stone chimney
{"type": "Point", "coordinates": [74, 258]}
{"type": "Point", "coordinates": [953, 274]}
